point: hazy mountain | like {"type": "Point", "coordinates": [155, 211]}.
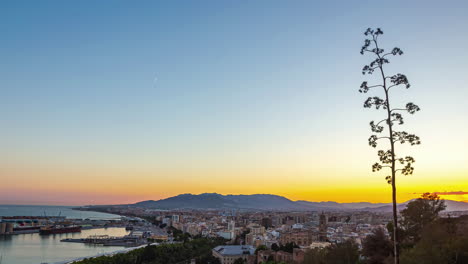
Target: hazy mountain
{"type": "Point", "coordinates": [202, 201]}
{"type": "Point", "coordinates": [264, 201]}
{"type": "Point", "coordinates": [456, 206]}
{"type": "Point", "coordinates": [451, 206]}
{"type": "Point", "coordinates": [326, 206]}
{"type": "Point", "coordinates": [341, 206]}
{"type": "Point", "coordinates": [271, 202]}
{"type": "Point", "coordinates": [216, 201]}
{"type": "Point", "coordinates": [385, 208]}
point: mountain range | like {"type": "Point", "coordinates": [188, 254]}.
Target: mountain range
{"type": "Point", "coordinates": [271, 202]}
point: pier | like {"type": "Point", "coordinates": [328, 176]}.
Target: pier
{"type": "Point", "coordinates": [105, 240]}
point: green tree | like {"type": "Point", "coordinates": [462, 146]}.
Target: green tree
{"type": "Point", "coordinates": [275, 247]}
{"type": "Point", "coordinates": [210, 259]}
{"type": "Point", "coordinates": [259, 248]}
{"type": "Point", "coordinates": [393, 117]}
{"type": "Point", "coordinates": [440, 243]}
{"type": "Point", "coordinates": [341, 253]}
{"type": "Point", "coordinates": [200, 249]}
{"type": "Point", "coordinates": [315, 256]}
{"type": "Point", "coordinates": [148, 254]}
{"type": "Point", "coordinates": [419, 213]}
{"type": "Point", "coordinates": [289, 247]}
{"type": "Point", "coordinates": [377, 247]}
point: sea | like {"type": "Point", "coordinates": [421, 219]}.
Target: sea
{"type": "Point", "coordinates": [36, 249]}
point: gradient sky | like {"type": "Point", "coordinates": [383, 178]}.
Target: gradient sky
{"type": "Point", "coordinates": [115, 101]}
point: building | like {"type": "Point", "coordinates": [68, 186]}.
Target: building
{"type": "Point", "coordinates": [229, 235]}
{"type": "Point", "coordinates": [281, 256]}
{"type": "Point", "coordinates": [166, 221]}
{"type": "Point", "coordinates": [267, 222]}
{"type": "Point", "coordinates": [323, 228]}
{"type": "Point", "coordinates": [300, 238]}
{"type": "Point", "coordinates": [175, 219]}
{"type": "Point", "coordinates": [227, 254]}
{"type": "Point", "coordinates": [231, 226]}
{"type": "Point", "coordinates": [257, 229]}
{"type": "Point", "coordinates": [319, 244]}
{"type": "Point", "coordinates": [160, 237]}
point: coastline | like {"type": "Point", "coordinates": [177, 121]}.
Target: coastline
{"type": "Point", "coordinates": [125, 250]}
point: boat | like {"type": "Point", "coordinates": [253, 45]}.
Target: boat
{"type": "Point", "coordinates": [59, 229]}
{"type": "Point", "coordinates": [26, 228]}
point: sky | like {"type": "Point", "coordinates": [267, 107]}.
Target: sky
{"type": "Point", "coordinates": [108, 102]}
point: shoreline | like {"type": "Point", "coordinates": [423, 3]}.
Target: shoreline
{"type": "Point", "coordinates": [125, 250]}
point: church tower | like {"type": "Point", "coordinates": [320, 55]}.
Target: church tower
{"type": "Point", "coordinates": [323, 228]}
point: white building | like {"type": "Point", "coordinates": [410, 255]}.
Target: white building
{"type": "Point", "coordinates": [231, 226]}
{"type": "Point", "coordinates": [229, 235]}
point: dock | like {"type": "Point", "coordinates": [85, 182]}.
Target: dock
{"type": "Point", "coordinates": [105, 240]}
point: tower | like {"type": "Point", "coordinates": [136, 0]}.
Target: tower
{"type": "Point", "coordinates": [323, 227]}
{"type": "Point", "coordinates": [231, 225]}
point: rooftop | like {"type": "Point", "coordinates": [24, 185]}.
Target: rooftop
{"type": "Point", "coordinates": [235, 250]}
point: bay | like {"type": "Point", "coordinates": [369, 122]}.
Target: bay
{"type": "Point", "coordinates": [36, 249]}
{"type": "Point", "coordinates": [47, 210]}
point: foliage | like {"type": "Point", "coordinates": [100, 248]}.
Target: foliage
{"type": "Point", "coordinates": [275, 247]}
{"type": "Point", "coordinates": [377, 247]}
{"type": "Point", "coordinates": [341, 253]}
{"type": "Point", "coordinates": [419, 213]}
{"type": "Point", "coordinates": [315, 256]}
{"type": "Point", "coordinates": [289, 247]}
{"type": "Point", "coordinates": [259, 248]}
{"type": "Point", "coordinates": [393, 117]}
{"type": "Point", "coordinates": [179, 235]}
{"type": "Point", "coordinates": [199, 248]}
{"type": "Point", "coordinates": [440, 243]}
{"type": "Point", "coordinates": [427, 237]}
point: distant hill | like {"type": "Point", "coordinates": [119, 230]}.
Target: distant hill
{"type": "Point", "coordinates": [451, 206]}
{"type": "Point", "coordinates": [217, 201]}
{"type": "Point", "coordinates": [341, 206]}
{"type": "Point", "coordinates": [271, 202]}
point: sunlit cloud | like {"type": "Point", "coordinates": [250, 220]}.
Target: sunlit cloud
{"type": "Point", "coordinates": [451, 193]}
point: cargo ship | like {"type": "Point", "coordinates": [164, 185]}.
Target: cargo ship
{"type": "Point", "coordinates": [26, 229]}
{"type": "Point", "coordinates": [58, 229]}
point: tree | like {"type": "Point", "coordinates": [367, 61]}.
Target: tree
{"type": "Point", "coordinates": [341, 253]}
{"type": "Point", "coordinates": [199, 249]}
{"type": "Point", "coordinates": [394, 117]}
{"type": "Point", "coordinates": [260, 248]}
{"type": "Point", "coordinates": [376, 247]}
{"type": "Point", "coordinates": [275, 247]}
{"type": "Point", "coordinates": [315, 256]}
{"type": "Point", "coordinates": [289, 247]}
{"type": "Point", "coordinates": [148, 254]}
{"type": "Point", "coordinates": [210, 259]}
{"type": "Point", "coordinates": [440, 243]}
{"type": "Point", "coordinates": [419, 213]}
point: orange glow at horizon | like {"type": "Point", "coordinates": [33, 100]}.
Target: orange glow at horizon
{"type": "Point", "coordinates": [93, 186]}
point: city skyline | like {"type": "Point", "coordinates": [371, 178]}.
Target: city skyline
{"type": "Point", "coordinates": [122, 103]}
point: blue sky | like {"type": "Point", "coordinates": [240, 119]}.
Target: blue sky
{"type": "Point", "coordinates": [218, 85]}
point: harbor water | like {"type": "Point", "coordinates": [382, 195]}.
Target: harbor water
{"type": "Point", "coordinates": [45, 210]}
{"type": "Point", "coordinates": [36, 249]}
